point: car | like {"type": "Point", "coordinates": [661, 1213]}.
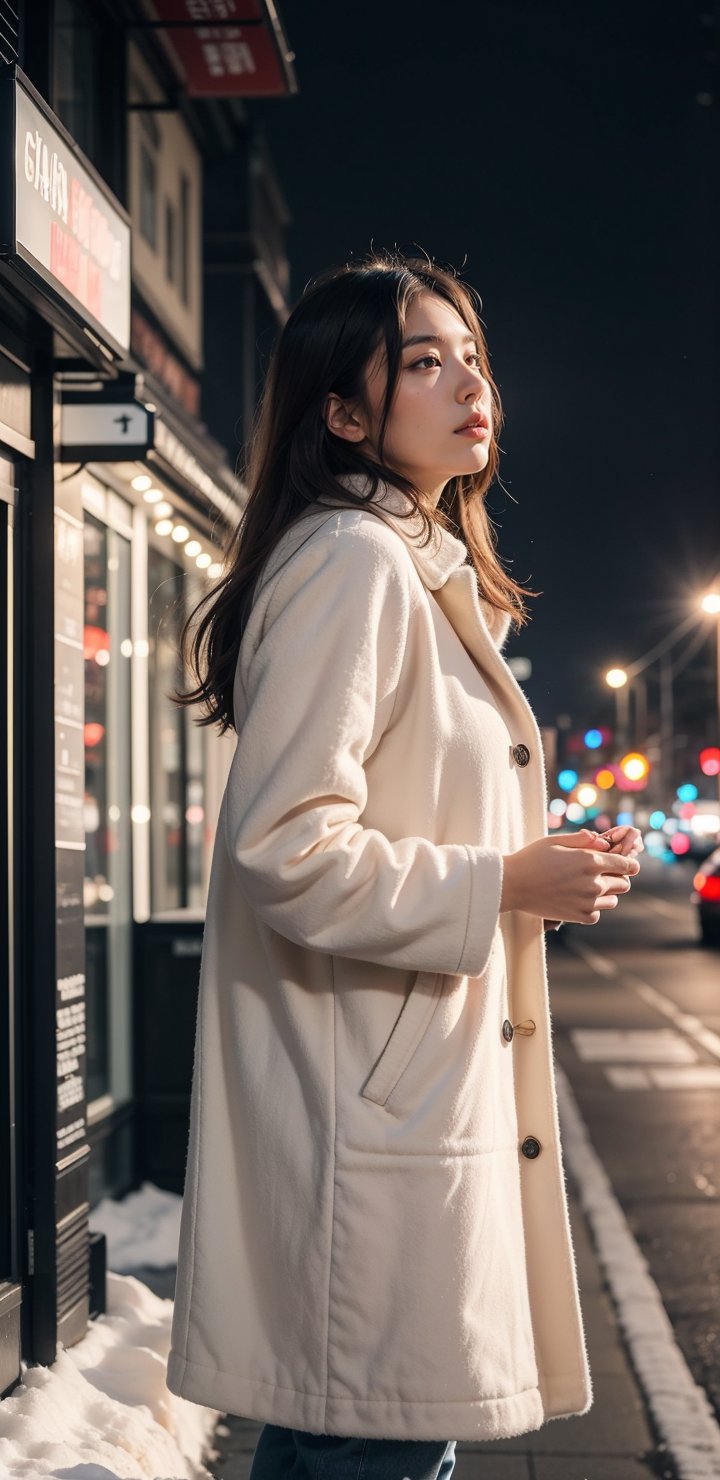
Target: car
{"type": "Point", "coordinates": [706, 895]}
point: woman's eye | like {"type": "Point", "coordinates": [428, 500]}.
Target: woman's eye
{"type": "Point", "coordinates": [426, 360]}
{"type": "Point", "coordinates": [477, 359]}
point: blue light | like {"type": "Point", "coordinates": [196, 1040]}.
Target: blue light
{"type": "Point", "coordinates": [593, 739]}
{"type": "Point", "coordinates": [567, 780]}
{"type": "Point", "coordinates": [687, 792]}
{"type": "Point", "coordinates": [656, 820]}
{"type": "Point", "coordinates": [624, 819]}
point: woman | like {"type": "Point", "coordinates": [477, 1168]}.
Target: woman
{"type": "Point", "coordinates": [375, 1249]}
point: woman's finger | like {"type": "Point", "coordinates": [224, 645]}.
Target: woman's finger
{"type": "Point", "coordinates": [624, 839]}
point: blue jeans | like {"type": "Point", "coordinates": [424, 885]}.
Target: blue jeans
{"type": "Point", "coordinates": [291, 1454]}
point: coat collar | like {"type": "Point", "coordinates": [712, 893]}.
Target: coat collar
{"type": "Point", "coordinates": [442, 560]}
{"type": "Point", "coordinates": [447, 571]}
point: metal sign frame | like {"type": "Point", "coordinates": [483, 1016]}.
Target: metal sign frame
{"type": "Point", "coordinates": [18, 257]}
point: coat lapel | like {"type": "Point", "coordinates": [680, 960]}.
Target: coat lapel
{"type": "Point", "coordinates": [446, 571]}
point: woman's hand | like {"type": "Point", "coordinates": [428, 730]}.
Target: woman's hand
{"type": "Point", "coordinates": [623, 839]}
{"type": "Point", "coordinates": [574, 879]}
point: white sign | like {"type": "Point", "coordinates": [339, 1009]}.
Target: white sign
{"type": "Point", "coordinates": [67, 227]}
{"type": "Point", "coordinates": [106, 424]}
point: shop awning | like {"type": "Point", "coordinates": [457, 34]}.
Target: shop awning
{"type": "Point", "coordinates": [225, 48]}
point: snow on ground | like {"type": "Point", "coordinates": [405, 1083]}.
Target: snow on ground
{"type": "Point", "coordinates": [103, 1410]}
{"type": "Point", "coordinates": [142, 1230]}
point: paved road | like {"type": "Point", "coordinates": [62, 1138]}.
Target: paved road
{"type": "Point", "coordinates": [652, 1104]}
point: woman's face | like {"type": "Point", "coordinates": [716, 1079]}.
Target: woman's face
{"type": "Point", "coordinates": [441, 387]}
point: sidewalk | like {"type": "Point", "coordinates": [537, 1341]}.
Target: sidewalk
{"type": "Point", "coordinates": [611, 1442]}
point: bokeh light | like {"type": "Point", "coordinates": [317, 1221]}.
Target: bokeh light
{"type": "Point", "coordinates": [710, 761]}
{"type": "Point", "coordinates": [680, 843]}
{"type": "Point", "coordinates": [635, 766]}
{"type": "Point", "coordinates": [655, 843]}
{"type": "Point", "coordinates": [567, 780]}
{"type": "Point", "coordinates": [604, 779]}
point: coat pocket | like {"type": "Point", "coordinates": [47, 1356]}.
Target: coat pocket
{"type": "Point", "coordinates": [415, 1017]}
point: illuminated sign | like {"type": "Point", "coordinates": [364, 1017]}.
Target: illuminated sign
{"type": "Point", "coordinates": [61, 225]}
{"type": "Point", "coordinates": [228, 48]}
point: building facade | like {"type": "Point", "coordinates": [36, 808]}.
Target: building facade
{"type": "Point", "coordinates": [116, 501]}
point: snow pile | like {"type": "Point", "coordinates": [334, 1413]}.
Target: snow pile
{"type": "Point", "coordinates": [141, 1231]}
{"type": "Point", "coordinates": [103, 1410]}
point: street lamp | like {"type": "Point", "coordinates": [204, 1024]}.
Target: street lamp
{"type": "Point", "coordinates": [710, 603]}
{"type": "Point", "coordinates": [617, 679]}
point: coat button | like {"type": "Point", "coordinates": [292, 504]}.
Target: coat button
{"type": "Point", "coordinates": [527, 1028]}
{"type": "Point", "coordinates": [508, 1031]}
{"type": "Point", "coordinates": [531, 1147]}
{"type": "Point", "coordinates": [521, 754]}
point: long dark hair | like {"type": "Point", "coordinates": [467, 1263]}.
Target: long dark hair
{"type": "Point", "coordinates": [344, 316]}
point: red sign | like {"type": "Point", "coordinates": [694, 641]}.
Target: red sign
{"type": "Point", "coordinates": [227, 48]}
{"type": "Point", "coordinates": [150, 347]}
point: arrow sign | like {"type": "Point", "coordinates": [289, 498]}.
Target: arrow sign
{"type": "Point", "coordinates": [107, 430]}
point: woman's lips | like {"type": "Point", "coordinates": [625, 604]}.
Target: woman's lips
{"type": "Point", "coordinates": [475, 433]}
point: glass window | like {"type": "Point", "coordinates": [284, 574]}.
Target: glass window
{"type": "Point", "coordinates": [177, 744]}
{"type": "Point", "coordinates": [107, 810]}
{"type": "Point", "coordinates": [8, 823]}
{"type": "Point", "coordinates": [169, 242]}
{"type": "Point", "coordinates": [148, 196]}
{"type": "Point", "coordinates": [184, 238]}
{"type": "Point", "coordinates": [76, 36]}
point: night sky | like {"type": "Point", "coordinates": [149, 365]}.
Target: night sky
{"type": "Point", "coordinates": [565, 156]}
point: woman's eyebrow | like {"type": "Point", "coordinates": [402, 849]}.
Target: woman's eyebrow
{"type": "Point", "coordinates": [434, 339]}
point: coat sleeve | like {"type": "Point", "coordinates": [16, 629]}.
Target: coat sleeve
{"type": "Point", "coordinates": [319, 691]}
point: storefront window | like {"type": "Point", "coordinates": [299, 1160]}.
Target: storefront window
{"type": "Point", "coordinates": [107, 810]}
{"type": "Point", "coordinates": [148, 196]}
{"type": "Point", "coordinates": [177, 744]}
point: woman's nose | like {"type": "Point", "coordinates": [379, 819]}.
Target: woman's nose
{"type": "Point", "coordinates": [472, 382]}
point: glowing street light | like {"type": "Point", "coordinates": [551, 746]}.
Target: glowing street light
{"type": "Point", "coordinates": [617, 679]}
{"type": "Point", "coordinates": [710, 603]}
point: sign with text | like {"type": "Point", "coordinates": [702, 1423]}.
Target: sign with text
{"type": "Point", "coordinates": [60, 221]}
{"type": "Point", "coordinates": [228, 48]}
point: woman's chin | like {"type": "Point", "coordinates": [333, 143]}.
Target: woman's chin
{"type": "Point", "coordinates": [474, 461]}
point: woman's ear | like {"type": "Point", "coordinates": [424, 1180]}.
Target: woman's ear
{"type": "Point", "coordinates": [340, 420]}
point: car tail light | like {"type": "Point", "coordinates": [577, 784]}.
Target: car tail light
{"type": "Point", "coordinates": [707, 885]}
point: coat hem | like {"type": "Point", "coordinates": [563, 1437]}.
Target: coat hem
{"type": "Point", "coordinates": [373, 1418]}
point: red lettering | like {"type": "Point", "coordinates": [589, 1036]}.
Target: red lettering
{"type": "Point", "coordinates": [65, 258]}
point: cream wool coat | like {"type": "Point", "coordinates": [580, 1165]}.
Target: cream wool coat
{"type": "Point", "coordinates": [375, 1238]}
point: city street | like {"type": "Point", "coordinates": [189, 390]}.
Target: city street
{"type": "Point", "coordinates": [651, 1103]}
